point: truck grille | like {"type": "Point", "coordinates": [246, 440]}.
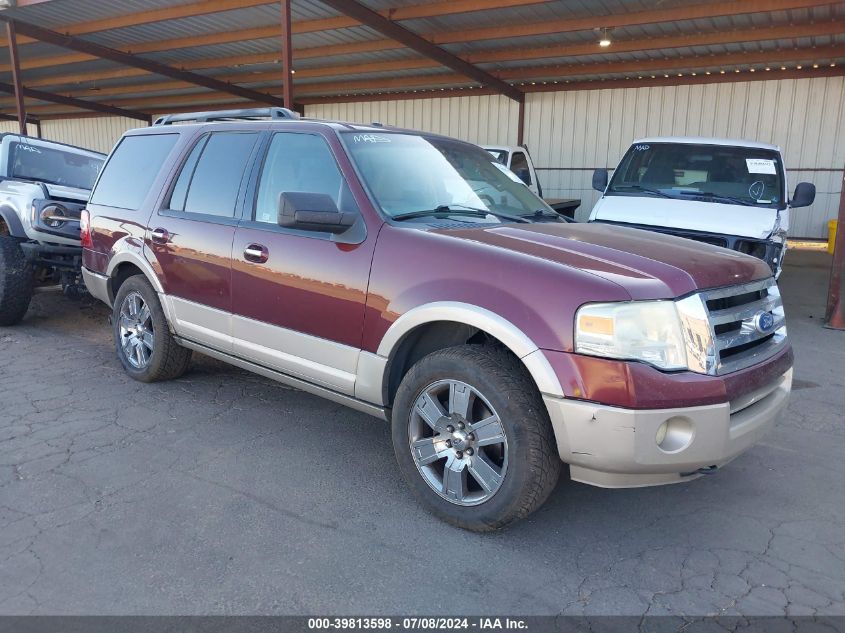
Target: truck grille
{"type": "Point", "coordinates": [747, 324]}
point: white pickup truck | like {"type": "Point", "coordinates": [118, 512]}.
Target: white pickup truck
{"type": "Point", "coordinates": [518, 160]}
{"type": "Point", "coordinates": [730, 193]}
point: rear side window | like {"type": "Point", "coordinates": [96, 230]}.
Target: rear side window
{"type": "Point", "coordinates": [131, 169]}
{"type": "Point", "coordinates": [211, 176]}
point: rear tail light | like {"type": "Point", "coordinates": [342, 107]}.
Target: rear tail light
{"type": "Point", "coordinates": [85, 229]}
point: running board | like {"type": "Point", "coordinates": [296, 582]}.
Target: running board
{"type": "Point", "coordinates": [290, 381]}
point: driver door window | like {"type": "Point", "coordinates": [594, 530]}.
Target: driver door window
{"type": "Point", "coordinates": [299, 162]}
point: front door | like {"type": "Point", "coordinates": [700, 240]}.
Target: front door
{"type": "Point", "coordinates": [298, 297]}
{"type": "Point", "coordinates": [191, 237]}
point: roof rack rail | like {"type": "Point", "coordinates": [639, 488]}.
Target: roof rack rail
{"type": "Point", "coordinates": [228, 115]}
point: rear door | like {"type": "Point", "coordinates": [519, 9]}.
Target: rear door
{"type": "Point", "coordinates": [191, 237]}
{"type": "Point", "coordinates": [298, 307]}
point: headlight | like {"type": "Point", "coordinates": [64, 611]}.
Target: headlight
{"type": "Point", "coordinates": [649, 331]}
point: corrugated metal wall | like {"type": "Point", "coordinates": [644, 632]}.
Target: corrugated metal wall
{"type": "Point", "coordinates": [571, 133]}
{"type": "Point", "coordinates": [483, 119]}
{"type": "Point", "coordinates": [12, 126]}
{"type": "Point", "coordinates": [97, 133]}
{"type": "Point", "coordinates": [100, 133]}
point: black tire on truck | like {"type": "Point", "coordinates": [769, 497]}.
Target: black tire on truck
{"type": "Point", "coordinates": [16, 281]}
{"type": "Point", "coordinates": [473, 438]}
{"type": "Point", "coordinates": [142, 339]}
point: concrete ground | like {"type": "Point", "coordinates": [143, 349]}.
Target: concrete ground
{"type": "Point", "coordinates": [225, 493]}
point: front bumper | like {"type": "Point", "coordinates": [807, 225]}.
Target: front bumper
{"type": "Point", "coordinates": [61, 256]}
{"type": "Point", "coordinates": [613, 447]}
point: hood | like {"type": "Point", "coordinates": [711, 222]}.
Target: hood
{"type": "Point", "coordinates": [70, 193]}
{"type": "Point", "coordinates": [647, 265]}
{"type": "Point", "coordinates": [693, 215]}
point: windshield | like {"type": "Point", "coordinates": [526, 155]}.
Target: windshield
{"type": "Point", "coordinates": [54, 166]}
{"type": "Point", "coordinates": [714, 173]}
{"type": "Point", "coordinates": [500, 155]}
{"type": "Point", "coordinates": [406, 173]}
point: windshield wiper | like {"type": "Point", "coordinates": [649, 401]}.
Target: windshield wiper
{"type": "Point", "coordinates": [441, 211]}
{"type": "Point", "coordinates": [542, 213]}
{"type": "Point", "coordinates": [498, 214]}
{"type": "Point", "coordinates": [717, 196]}
{"type": "Point", "coordinates": [445, 210]}
{"type": "Point", "coordinates": [655, 192]}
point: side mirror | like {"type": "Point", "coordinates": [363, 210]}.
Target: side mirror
{"type": "Point", "coordinates": [312, 212]}
{"type": "Point", "coordinates": [805, 194]}
{"type": "Point", "coordinates": [600, 180]}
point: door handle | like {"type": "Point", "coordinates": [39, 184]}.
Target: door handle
{"type": "Point", "coordinates": [159, 236]}
{"type": "Point", "coordinates": [256, 253]}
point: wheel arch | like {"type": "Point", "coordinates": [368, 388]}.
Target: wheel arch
{"type": "Point", "coordinates": [438, 325]}
{"type": "Point", "coordinates": [126, 264]}
{"type": "Point", "coordinates": [11, 222]}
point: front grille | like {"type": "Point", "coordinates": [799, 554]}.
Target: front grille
{"type": "Point", "coordinates": [747, 323]}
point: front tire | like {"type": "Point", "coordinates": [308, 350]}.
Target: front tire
{"type": "Point", "coordinates": [144, 345]}
{"type": "Point", "coordinates": [473, 438]}
{"type": "Point", "coordinates": [16, 282]}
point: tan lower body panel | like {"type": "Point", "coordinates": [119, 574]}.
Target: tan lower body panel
{"type": "Point", "coordinates": [614, 447]}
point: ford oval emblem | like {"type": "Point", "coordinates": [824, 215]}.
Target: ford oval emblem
{"type": "Point", "coordinates": [764, 322]}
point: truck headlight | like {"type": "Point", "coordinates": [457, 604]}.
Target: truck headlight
{"type": "Point", "coordinates": [648, 331]}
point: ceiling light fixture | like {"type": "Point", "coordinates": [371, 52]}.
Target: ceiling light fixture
{"type": "Point", "coordinates": [604, 42]}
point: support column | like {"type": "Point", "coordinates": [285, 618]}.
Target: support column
{"type": "Point", "coordinates": [835, 313]}
{"type": "Point", "coordinates": [520, 126]}
{"type": "Point", "coordinates": [287, 56]}
{"type": "Point", "coordinates": [11, 38]}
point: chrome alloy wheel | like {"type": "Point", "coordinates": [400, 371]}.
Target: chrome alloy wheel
{"type": "Point", "coordinates": [136, 330]}
{"type": "Point", "coordinates": [458, 442]}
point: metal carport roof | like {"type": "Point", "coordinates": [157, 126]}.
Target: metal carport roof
{"type": "Point", "coordinates": [408, 48]}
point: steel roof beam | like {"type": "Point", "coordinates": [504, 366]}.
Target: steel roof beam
{"type": "Point", "coordinates": [686, 80]}
{"type": "Point", "coordinates": [111, 54]}
{"type": "Point", "coordinates": [76, 103]}
{"type": "Point", "coordinates": [48, 112]}
{"type": "Point", "coordinates": [564, 50]}
{"type": "Point", "coordinates": [648, 16]}
{"type": "Point", "coordinates": [206, 7]}
{"type": "Point", "coordinates": [394, 31]}
{"type": "Point", "coordinates": [550, 73]}
{"type": "Point", "coordinates": [12, 40]}
{"type": "Point", "coordinates": [637, 18]}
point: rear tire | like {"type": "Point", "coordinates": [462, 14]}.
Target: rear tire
{"type": "Point", "coordinates": [16, 282]}
{"type": "Point", "coordinates": [499, 462]}
{"type": "Point", "coordinates": [144, 345]}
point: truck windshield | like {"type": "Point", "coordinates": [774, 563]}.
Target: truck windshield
{"type": "Point", "coordinates": [53, 165]}
{"type": "Point", "coordinates": [500, 155]}
{"type": "Point", "coordinates": [408, 174]}
{"type": "Point", "coordinates": [711, 173]}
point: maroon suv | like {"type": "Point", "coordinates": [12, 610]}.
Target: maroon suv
{"type": "Point", "coordinates": [412, 277]}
